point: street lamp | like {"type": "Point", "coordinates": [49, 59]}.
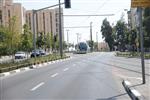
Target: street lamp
{"type": "Point", "coordinates": [97, 39]}
{"type": "Point", "coordinates": [91, 36]}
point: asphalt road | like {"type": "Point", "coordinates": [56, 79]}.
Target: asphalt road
{"type": "Point", "coordinates": [93, 76]}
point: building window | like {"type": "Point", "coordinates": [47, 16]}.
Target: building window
{"type": "Point", "coordinates": [56, 30]}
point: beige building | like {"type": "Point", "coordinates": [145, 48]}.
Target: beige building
{"type": "Point", "coordinates": [103, 46]}
{"type": "Point", "coordinates": [8, 10]}
{"type": "Point", "coordinates": [46, 21]}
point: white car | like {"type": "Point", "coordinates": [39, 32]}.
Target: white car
{"type": "Point", "coordinates": [20, 55]}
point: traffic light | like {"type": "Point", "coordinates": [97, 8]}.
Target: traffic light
{"type": "Point", "coordinates": [67, 4]}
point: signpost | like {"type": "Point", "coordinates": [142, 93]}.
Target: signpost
{"type": "Point", "coordinates": [139, 4]}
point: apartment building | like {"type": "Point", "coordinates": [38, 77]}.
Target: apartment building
{"type": "Point", "coordinates": [8, 10]}
{"type": "Point", "coordinates": [46, 21]}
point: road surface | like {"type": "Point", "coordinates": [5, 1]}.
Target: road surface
{"type": "Point", "coordinates": [93, 76]}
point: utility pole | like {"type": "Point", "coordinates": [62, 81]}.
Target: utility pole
{"type": "Point", "coordinates": [91, 36]}
{"type": "Point", "coordinates": [77, 38]}
{"type": "Point", "coordinates": [67, 39]}
{"type": "Point", "coordinates": [67, 36]}
{"type": "Point", "coordinates": [141, 41]}
{"type": "Point", "coordinates": [34, 33]}
{"type": "Point", "coordinates": [97, 39]}
{"type": "Point", "coordinates": [60, 32]}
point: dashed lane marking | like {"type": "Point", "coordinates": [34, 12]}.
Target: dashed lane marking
{"type": "Point", "coordinates": [66, 69]}
{"type": "Point", "coordinates": [37, 86]}
{"type": "Point", "coordinates": [54, 75]}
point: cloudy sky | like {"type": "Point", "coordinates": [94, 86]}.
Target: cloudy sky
{"type": "Point", "coordinates": [85, 7]}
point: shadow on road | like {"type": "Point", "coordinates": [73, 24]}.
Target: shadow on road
{"type": "Point", "coordinates": [137, 85]}
{"type": "Point", "coordinates": [119, 67]}
{"type": "Point", "coordinates": [113, 98]}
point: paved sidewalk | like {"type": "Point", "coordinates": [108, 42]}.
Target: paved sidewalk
{"type": "Point", "coordinates": [143, 89]}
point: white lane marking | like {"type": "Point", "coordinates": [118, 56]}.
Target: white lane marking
{"type": "Point", "coordinates": [66, 69]}
{"type": "Point", "coordinates": [54, 75]}
{"type": "Point", "coordinates": [37, 86]}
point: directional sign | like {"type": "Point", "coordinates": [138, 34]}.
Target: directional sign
{"type": "Point", "coordinates": [140, 3]}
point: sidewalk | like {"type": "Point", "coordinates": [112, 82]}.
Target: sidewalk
{"type": "Point", "coordinates": [143, 89]}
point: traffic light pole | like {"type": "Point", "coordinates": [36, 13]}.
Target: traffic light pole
{"type": "Point", "coordinates": [34, 26]}
{"type": "Point", "coordinates": [141, 41]}
{"type": "Point", "coordinates": [60, 32]}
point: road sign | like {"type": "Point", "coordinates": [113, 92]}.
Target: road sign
{"type": "Point", "coordinates": [140, 3]}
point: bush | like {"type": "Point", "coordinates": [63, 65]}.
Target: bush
{"type": "Point", "coordinates": [32, 61]}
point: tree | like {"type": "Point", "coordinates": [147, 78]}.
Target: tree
{"type": "Point", "coordinates": [27, 40]}
{"type": "Point", "coordinates": [3, 41]}
{"type": "Point", "coordinates": [121, 31]}
{"type": "Point", "coordinates": [10, 37]}
{"type": "Point", "coordinates": [106, 30]}
{"type": "Point", "coordinates": [41, 41]}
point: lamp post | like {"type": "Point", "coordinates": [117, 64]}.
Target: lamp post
{"type": "Point", "coordinates": [67, 39]}
{"type": "Point", "coordinates": [97, 39]}
{"type": "Point", "coordinates": [91, 36]}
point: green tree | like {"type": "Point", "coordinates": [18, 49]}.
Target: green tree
{"type": "Point", "coordinates": [26, 44]}
{"type": "Point", "coordinates": [106, 30]}
{"type": "Point", "coordinates": [3, 41]}
{"type": "Point", "coordinates": [121, 31]}
{"type": "Point", "coordinates": [10, 37]}
{"type": "Point", "coordinates": [41, 41]}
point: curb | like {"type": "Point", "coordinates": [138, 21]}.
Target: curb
{"type": "Point", "coordinates": [32, 67]}
{"type": "Point", "coordinates": [134, 94]}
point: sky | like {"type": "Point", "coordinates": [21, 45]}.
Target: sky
{"type": "Point", "coordinates": [85, 7]}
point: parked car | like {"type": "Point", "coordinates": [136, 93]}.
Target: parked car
{"type": "Point", "coordinates": [42, 52]}
{"type": "Point", "coordinates": [20, 55]}
{"type": "Point", "coordinates": [35, 53]}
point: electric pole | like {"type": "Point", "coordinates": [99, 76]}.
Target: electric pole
{"type": "Point", "coordinates": [91, 36]}
{"type": "Point", "coordinates": [77, 38]}
{"type": "Point", "coordinates": [60, 32]}
{"type": "Point", "coordinates": [67, 39]}
{"type": "Point", "coordinates": [97, 39]}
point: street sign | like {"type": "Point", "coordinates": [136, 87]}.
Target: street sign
{"type": "Point", "coordinates": [140, 3]}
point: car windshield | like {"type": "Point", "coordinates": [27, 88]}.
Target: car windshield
{"type": "Point", "coordinates": [74, 49]}
{"type": "Point", "coordinates": [20, 53]}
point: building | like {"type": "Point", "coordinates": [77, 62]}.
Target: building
{"type": "Point", "coordinates": [103, 46]}
{"type": "Point", "coordinates": [46, 21]}
{"type": "Point", "coordinates": [8, 10]}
